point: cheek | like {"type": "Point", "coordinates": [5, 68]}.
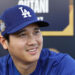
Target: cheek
{"type": "Point", "coordinates": [17, 43]}
{"type": "Point", "coordinates": [40, 40]}
{"type": "Point", "coordinates": [15, 47]}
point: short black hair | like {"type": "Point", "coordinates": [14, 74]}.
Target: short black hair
{"type": "Point", "coordinates": [6, 36]}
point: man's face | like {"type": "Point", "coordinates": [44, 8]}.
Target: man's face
{"type": "Point", "coordinates": [26, 44]}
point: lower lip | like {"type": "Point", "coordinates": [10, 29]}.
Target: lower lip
{"type": "Point", "coordinates": [32, 52]}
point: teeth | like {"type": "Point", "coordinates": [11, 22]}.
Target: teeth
{"type": "Point", "coordinates": [32, 50]}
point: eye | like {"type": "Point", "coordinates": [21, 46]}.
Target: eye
{"type": "Point", "coordinates": [22, 35]}
{"type": "Point", "coordinates": [37, 32]}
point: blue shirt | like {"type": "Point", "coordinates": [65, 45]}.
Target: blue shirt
{"type": "Point", "coordinates": [49, 63]}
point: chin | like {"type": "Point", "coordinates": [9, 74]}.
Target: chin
{"type": "Point", "coordinates": [34, 59]}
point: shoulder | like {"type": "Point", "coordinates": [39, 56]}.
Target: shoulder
{"type": "Point", "coordinates": [59, 57]}
{"type": "Point", "coordinates": [51, 54]}
{"type": "Point", "coordinates": [50, 57]}
{"type": "Point", "coordinates": [6, 65]}
{"type": "Point", "coordinates": [58, 62]}
{"type": "Point", "coordinates": [67, 65]}
{"type": "Point", "coordinates": [4, 60]}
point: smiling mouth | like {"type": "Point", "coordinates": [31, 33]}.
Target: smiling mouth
{"type": "Point", "coordinates": [32, 51]}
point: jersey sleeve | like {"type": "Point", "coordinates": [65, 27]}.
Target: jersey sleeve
{"type": "Point", "coordinates": [67, 66]}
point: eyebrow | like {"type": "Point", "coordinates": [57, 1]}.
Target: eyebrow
{"type": "Point", "coordinates": [24, 30]}
{"type": "Point", "coordinates": [37, 28]}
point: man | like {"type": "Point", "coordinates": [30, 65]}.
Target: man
{"type": "Point", "coordinates": [22, 37]}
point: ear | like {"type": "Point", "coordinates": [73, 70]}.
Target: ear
{"type": "Point", "coordinates": [4, 42]}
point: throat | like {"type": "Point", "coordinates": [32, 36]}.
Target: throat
{"type": "Point", "coordinates": [26, 69]}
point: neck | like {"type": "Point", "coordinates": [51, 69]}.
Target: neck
{"type": "Point", "coordinates": [25, 68]}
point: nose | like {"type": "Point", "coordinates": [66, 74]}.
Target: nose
{"type": "Point", "coordinates": [31, 41]}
